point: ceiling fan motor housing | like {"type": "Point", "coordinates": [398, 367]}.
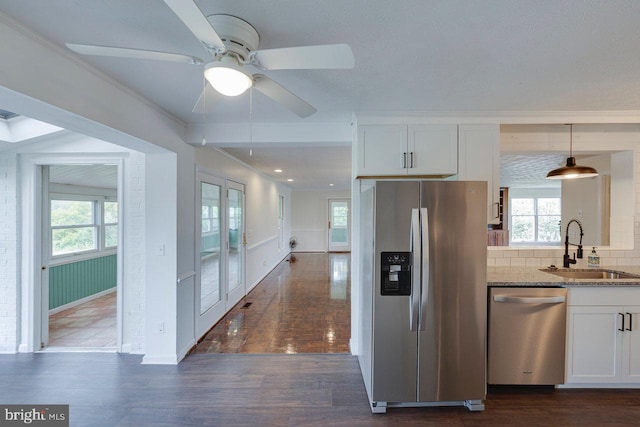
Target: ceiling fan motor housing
{"type": "Point", "coordinates": [237, 34]}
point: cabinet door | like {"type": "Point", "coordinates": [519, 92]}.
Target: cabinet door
{"type": "Point", "coordinates": [631, 345]}
{"type": "Point", "coordinates": [594, 344]}
{"type": "Point", "coordinates": [433, 150]}
{"type": "Point", "coordinates": [381, 150]}
{"type": "Point", "coordinates": [479, 160]}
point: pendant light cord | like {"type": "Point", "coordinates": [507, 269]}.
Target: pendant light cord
{"type": "Point", "coordinates": [571, 140]}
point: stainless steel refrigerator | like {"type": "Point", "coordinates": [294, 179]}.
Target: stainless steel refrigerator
{"type": "Point", "coordinates": [423, 293]}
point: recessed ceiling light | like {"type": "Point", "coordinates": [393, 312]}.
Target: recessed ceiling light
{"type": "Point", "coordinates": [277, 170]}
{"type": "Point", "coordinates": [290, 180]}
{"type": "Point", "coordinates": [330, 185]}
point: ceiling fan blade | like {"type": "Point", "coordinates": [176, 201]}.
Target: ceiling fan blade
{"type": "Point", "coordinates": [207, 100]}
{"type": "Point", "coordinates": [193, 18]}
{"type": "Point", "coordinates": [123, 52]}
{"type": "Point", "coordinates": [327, 56]}
{"type": "Point", "coordinates": [282, 96]}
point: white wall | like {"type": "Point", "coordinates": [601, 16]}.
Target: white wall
{"type": "Point", "coordinates": [63, 147]}
{"type": "Point", "coordinates": [582, 200]}
{"type": "Point", "coordinates": [9, 247]}
{"type": "Point", "coordinates": [70, 94]}
{"type": "Point", "coordinates": [310, 218]}
{"type": "Point", "coordinates": [261, 195]}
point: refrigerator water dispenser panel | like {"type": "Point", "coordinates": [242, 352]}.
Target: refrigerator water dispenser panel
{"type": "Point", "coordinates": [395, 273]}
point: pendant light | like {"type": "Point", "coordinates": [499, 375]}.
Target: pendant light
{"type": "Point", "coordinates": [572, 170]}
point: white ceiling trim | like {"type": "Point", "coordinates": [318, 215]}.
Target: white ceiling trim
{"type": "Point", "coordinates": [273, 134]}
{"type": "Point", "coordinates": [497, 117]}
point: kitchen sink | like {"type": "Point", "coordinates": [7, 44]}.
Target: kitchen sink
{"type": "Point", "coordinates": [592, 273]}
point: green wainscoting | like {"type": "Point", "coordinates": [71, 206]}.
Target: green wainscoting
{"type": "Point", "coordinates": [77, 280]}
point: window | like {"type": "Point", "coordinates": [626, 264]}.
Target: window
{"type": "Point", "coordinates": [535, 220]}
{"type": "Point", "coordinates": [81, 224]}
{"type": "Point", "coordinates": [73, 226]}
{"type": "Point", "coordinates": [110, 222]}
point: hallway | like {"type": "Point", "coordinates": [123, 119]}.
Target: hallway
{"type": "Point", "coordinates": [302, 306]}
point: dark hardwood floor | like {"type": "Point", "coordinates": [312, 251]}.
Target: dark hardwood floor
{"type": "Point", "coordinates": [106, 389]}
{"type": "Point", "coordinates": [302, 306]}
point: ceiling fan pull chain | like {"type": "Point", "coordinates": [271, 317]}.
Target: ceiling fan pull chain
{"type": "Point", "coordinates": [204, 111]}
{"type": "Point", "coordinates": [250, 121]}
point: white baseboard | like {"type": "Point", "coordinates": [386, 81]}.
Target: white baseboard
{"type": "Point", "coordinates": [261, 278]}
{"type": "Point", "coordinates": [183, 353]}
{"type": "Point", "coordinates": [170, 359]}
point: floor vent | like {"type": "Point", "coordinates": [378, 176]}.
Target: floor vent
{"type": "Point", "coordinates": [247, 305]}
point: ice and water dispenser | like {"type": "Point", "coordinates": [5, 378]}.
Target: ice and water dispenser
{"type": "Point", "coordinates": [395, 273]}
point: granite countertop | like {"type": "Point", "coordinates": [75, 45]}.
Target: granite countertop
{"type": "Point", "coordinates": [532, 276]}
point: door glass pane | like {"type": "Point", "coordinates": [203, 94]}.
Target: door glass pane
{"type": "Point", "coordinates": [210, 246]}
{"type": "Point", "coordinates": [235, 238]}
{"type": "Point", "coordinates": [339, 222]}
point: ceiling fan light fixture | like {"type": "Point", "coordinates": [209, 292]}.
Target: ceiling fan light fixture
{"type": "Point", "coordinates": [227, 77]}
{"type": "Point", "coordinates": [571, 170]}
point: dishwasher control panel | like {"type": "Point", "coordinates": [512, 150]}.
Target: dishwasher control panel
{"type": "Point", "coordinates": [395, 273]}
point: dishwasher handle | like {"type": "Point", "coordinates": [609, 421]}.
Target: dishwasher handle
{"type": "Point", "coordinates": [529, 300]}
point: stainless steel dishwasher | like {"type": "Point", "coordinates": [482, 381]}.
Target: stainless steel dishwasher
{"type": "Point", "coordinates": [527, 333]}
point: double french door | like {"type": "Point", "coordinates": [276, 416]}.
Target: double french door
{"type": "Point", "coordinates": [220, 277]}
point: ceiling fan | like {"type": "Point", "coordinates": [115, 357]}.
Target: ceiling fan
{"type": "Point", "coordinates": [233, 43]}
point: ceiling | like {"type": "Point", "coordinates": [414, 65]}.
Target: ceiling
{"type": "Point", "coordinates": [410, 55]}
{"type": "Point", "coordinates": [97, 176]}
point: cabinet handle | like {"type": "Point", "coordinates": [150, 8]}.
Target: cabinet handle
{"type": "Point", "coordinates": [621, 329]}
{"type": "Point", "coordinates": [630, 327]}
{"type": "Point", "coordinates": [411, 154]}
{"type": "Point", "coordinates": [404, 160]}
{"type": "Point", "coordinates": [497, 210]}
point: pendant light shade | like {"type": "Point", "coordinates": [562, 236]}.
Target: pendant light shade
{"type": "Point", "coordinates": [572, 170]}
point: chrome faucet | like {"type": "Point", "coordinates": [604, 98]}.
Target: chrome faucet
{"type": "Point", "coordinates": [566, 262]}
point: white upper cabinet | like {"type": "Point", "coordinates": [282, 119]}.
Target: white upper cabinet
{"type": "Point", "coordinates": [479, 160]}
{"type": "Point", "coordinates": [433, 150]}
{"type": "Point", "coordinates": [381, 150]}
{"type": "Point", "coordinates": [414, 150]}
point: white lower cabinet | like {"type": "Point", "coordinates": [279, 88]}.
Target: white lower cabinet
{"type": "Point", "coordinates": [603, 334]}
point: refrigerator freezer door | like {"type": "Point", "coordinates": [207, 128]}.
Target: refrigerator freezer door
{"type": "Point", "coordinates": [452, 348]}
{"type": "Point", "coordinates": [395, 346]}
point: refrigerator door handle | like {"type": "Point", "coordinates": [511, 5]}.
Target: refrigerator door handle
{"type": "Point", "coordinates": [424, 269]}
{"type": "Point", "coordinates": [416, 255]}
